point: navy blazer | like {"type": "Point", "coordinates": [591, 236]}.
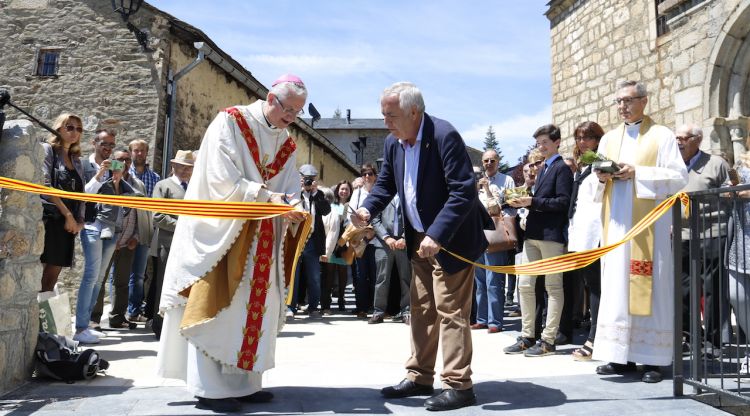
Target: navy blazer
{"type": "Point", "coordinates": [447, 200]}
{"type": "Point", "coordinates": [548, 213]}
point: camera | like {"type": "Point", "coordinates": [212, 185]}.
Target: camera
{"type": "Point", "coordinates": [308, 181]}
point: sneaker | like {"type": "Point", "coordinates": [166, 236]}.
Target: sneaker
{"type": "Point", "coordinates": [541, 349]}
{"type": "Point", "coordinates": [86, 337]}
{"type": "Point", "coordinates": [508, 302]}
{"type": "Point", "coordinates": [106, 233]}
{"type": "Point", "coordinates": [327, 312]}
{"type": "Point", "coordinates": [515, 313]}
{"type": "Point", "coordinates": [97, 332]}
{"type": "Point", "coordinates": [520, 346]}
{"type": "Point", "coordinates": [407, 318]}
{"type": "Point", "coordinates": [95, 325]}
{"type": "Point", "coordinates": [316, 314]}
{"type": "Point", "coordinates": [289, 315]}
{"type": "Point", "coordinates": [377, 318]}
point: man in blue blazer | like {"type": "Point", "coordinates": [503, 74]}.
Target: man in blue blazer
{"type": "Point", "coordinates": [546, 236]}
{"type": "Point", "coordinates": [425, 162]}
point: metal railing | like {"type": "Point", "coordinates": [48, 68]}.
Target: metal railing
{"type": "Point", "coordinates": [711, 351]}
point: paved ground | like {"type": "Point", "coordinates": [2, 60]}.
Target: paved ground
{"type": "Point", "coordinates": [339, 364]}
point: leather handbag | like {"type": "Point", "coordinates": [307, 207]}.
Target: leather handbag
{"type": "Point", "coordinates": [504, 236]}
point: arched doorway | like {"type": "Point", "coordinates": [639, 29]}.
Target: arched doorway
{"type": "Point", "coordinates": [727, 90]}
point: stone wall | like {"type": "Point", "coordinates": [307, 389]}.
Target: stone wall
{"type": "Point", "coordinates": [21, 244]}
{"type": "Point", "coordinates": [104, 74]}
{"type": "Point", "coordinates": [595, 43]}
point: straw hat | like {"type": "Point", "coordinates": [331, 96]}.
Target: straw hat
{"type": "Point", "coordinates": [184, 157]}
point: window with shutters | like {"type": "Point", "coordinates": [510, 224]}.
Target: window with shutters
{"type": "Point", "coordinates": [48, 62]}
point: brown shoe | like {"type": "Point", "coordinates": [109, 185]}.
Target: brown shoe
{"type": "Point", "coordinates": [478, 326]}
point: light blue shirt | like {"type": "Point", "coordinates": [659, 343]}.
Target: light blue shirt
{"type": "Point", "coordinates": [411, 170]}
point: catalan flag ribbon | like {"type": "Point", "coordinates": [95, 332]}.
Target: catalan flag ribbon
{"type": "Point", "coordinates": [572, 261]}
{"type": "Point", "coordinates": [198, 208]}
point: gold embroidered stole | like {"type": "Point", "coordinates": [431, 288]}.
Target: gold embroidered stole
{"type": "Point", "coordinates": [642, 246]}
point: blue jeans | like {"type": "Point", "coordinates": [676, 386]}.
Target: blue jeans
{"type": "Point", "coordinates": [490, 289]}
{"type": "Point", "coordinates": [135, 285]}
{"type": "Point", "coordinates": [310, 262]}
{"type": "Point", "coordinates": [96, 255]}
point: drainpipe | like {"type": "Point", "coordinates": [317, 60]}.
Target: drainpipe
{"type": "Point", "coordinates": [172, 103]}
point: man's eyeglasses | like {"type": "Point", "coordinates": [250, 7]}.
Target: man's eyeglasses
{"type": "Point", "coordinates": [107, 145]}
{"type": "Point", "coordinates": [489, 160]}
{"type": "Point", "coordinates": [626, 100]}
{"type": "Point", "coordinates": [289, 111]}
{"type": "Point", "coordinates": [70, 128]}
{"type": "Point", "coordinates": [684, 138]}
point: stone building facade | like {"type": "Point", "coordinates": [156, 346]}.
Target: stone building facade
{"type": "Point", "coordinates": [693, 55]}
{"type": "Point", "coordinates": [21, 244]}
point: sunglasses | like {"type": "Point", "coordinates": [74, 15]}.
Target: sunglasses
{"type": "Point", "coordinates": [489, 160]}
{"type": "Point", "coordinates": [368, 174]}
{"type": "Point", "coordinates": [70, 128]}
{"type": "Point", "coordinates": [124, 159]}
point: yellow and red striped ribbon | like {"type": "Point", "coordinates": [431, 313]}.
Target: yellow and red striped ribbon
{"type": "Point", "coordinates": [572, 261]}
{"type": "Point", "coordinates": [197, 208]}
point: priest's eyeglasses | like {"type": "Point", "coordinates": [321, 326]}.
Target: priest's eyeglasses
{"type": "Point", "coordinates": [626, 100]}
{"type": "Point", "coordinates": [290, 111]}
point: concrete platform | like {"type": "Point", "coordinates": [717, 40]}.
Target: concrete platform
{"type": "Point", "coordinates": [338, 365]}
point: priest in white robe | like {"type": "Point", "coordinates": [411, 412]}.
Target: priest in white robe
{"type": "Point", "coordinates": [635, 323]}
{"type": "Point", "coordinates": [224, 285]}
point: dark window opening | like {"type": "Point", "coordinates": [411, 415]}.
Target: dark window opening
{"type": "Point", "coordinates": [47, 64]}
{"type": "Point", "coordinates": [668, 9]}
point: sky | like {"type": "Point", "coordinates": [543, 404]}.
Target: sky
{"type": "Point", "coordinates": [476, 63]}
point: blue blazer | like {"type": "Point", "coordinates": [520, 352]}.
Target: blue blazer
{"type": "Point", "coordinates": [548, 213]}
{"type": "Point", "coordinates": [447, 200]}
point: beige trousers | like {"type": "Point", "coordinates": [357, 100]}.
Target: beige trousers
{"type": "Point", "coordinates": [536, 250]}
{"type": "Point", "coordinates": [440, 313]}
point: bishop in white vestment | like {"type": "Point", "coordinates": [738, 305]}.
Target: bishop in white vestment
{"type": "Point", "coordinates": [224, 283]}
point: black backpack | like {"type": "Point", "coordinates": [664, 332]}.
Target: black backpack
{"type": "Point", "coordinates": [57, 357]}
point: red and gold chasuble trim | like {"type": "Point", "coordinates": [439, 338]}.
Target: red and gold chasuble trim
{"type": "Point", "coordinates": [256, 309]}
{"type": "Point", "coordinates": [247, 356]}
{"type": "Point", "coordinates": [282, 155]}
{"type": "Point", "coordinates": [642, 267]}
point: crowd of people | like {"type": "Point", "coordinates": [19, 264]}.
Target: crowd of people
{"type": "Point", "coordinates": [384, 227]}
{"type": "Point", "coordinates": [116, 241]}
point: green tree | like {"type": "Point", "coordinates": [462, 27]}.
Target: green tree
{"type": "Point", "coordinates": [490, 140]}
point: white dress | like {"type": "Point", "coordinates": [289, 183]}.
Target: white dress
{"type": "Point", "coordinates": [205, 355]}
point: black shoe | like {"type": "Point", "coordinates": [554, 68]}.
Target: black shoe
{"type": "Point", "coordinates": [520, 346]}
{"type": "Point", "coordinates": [615, 368]}
{"type": "Point", "coordinates": [561, 339]}
{"type": "Point", "coordinates": [406, 388]}
{"type": "Point", "coordinates": [652, 374]}
{"type": "Point", "coordinates": [508, 302]}
{"type": "Point", "coordinates": [376, 318]}
{"type": "Point", "coordinates": [450, 399]}
{"type": "Point", "coordinates": [260, 396]}
{"type": "Point", "coordinates": [227, 405]}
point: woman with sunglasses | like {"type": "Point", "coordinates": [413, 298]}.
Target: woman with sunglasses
{"type": "Point", "coordinates": [63, 218]}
